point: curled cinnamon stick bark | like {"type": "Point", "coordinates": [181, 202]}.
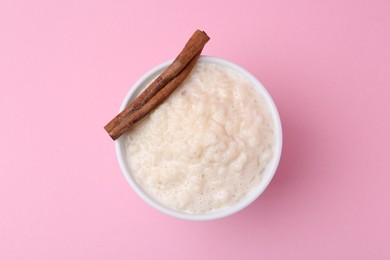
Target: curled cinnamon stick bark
{"type": "Point", "coordinates": [171, 78]}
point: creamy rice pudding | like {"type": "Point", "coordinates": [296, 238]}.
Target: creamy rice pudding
{"type": "Point", "coordinates": [207, 145]}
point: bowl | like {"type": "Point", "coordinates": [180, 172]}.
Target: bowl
{"type": "Point", "coordinates": [268, 173]}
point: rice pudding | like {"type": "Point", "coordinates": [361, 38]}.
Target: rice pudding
{"type": "Point", "coordinates": [206, 146]}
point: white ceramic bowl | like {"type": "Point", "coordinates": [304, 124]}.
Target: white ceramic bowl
{"type": "Point", "coordinates": [252, 196]}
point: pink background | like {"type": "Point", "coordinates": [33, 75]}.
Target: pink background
{"type": "Point", "coordinates": [65, 67]}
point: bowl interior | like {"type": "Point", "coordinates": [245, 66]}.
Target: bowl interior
{"type": "Point", "coordinates": [268, 173]}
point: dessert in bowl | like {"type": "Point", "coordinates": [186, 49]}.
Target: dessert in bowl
{"type": "Point", "coordinates": [210, 149]}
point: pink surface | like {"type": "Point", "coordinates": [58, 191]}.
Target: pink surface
{"type": "Point", "coordinates": [65, 67]}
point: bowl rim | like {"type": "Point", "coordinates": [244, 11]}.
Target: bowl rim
{"type": "Point", "coordinates": [270, 169]}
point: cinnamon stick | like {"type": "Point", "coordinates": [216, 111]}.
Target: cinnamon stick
{"type": "Point", "coordinates": [171, 78]}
